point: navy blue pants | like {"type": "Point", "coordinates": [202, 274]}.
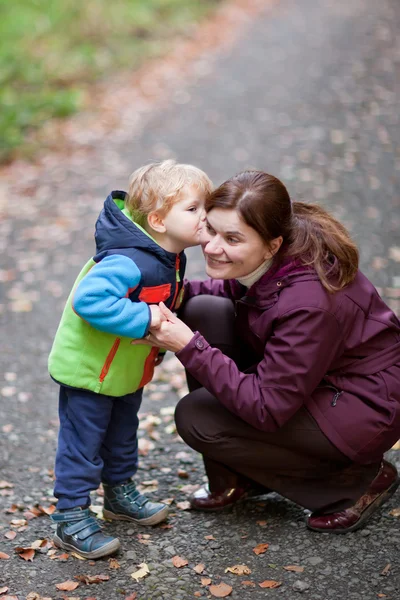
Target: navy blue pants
{"type": "Point", "coordinates": [97, 442]}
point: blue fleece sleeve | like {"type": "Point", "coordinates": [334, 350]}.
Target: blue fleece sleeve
{"type": "Point", "coordinates": [100, 298]}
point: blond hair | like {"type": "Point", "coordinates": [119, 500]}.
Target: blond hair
{"type": "Point", "coordinates": [157, 186]}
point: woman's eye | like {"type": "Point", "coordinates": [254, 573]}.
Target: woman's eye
{"type": "Point", "coordinates": [232, 240]}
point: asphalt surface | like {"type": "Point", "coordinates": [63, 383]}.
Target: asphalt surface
{"type": "Point", "coordinates": [309, 93]}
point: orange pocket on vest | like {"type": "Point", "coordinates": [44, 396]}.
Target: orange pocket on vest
{"type": "Point", "coordinates": [155, 294]}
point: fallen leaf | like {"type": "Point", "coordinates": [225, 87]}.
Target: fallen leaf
{"type": "Point", "coordinates": [149, 483]}
{"type": "Point", "coordinates": [183, 474]}
{"type": "Point", "coordinates": [47, 510]}
{"type": "Point", "coordinates": [185, 505]}
{"type": "Point", "coordinates": [395, 512]}
{"type": "Point", "coordinates": [8, 428]}
{"type": "Point", "coordinates": [18, 522]}
{"type": "Point", "coordinates": [89, 579]}
{"type": "Point", "coordinates": [78, 556]}
{"type": "Point", "coordinates": [270, 583]}
{"type": "Point", "coordinates": [179, 562]}
{"type": "Point", "coordinates": [67, 586]}
{"type": "Point", "coordinates": [4, 556]}
{"type": "Point", "coordinates": [114, 564]}
{"type": "Point", "coordinates": [386, 570]}
{"type": "Point", "coordinates": [294, 568]}
{"type": "Point", "coordinates": [142, 572]}
{"type": "Point", "coordinates": [3, 590]}
{"type": "Point", "coordinates": [25, 553]}
{"type": "Point", "coordinates": [9, 598]}
{"type": "Point", "coordinates": [33, 596]}
{"type": "Point", "coordinates": [221, 590]}
{"type": "Point", "coordinates": [10, 535]}
{"type": "Point", "coordinates": [199, 568]}
{"type": "Point", "coordinates": [381, 595]}
{"type": "Point", "coordinates": [168, 501]}
{"type": "Point", "coordinates": [262, 523]}
{"type": "Point", "coordinates": [62, 557]}
{"type": "Point", "coordinates": [396, 446]}
{"type": "Point", "coordinates": [248, 583]}
{"type": "Point", "coordinates": [131, 597]}
{"type": "Point", "coordinates": [39, 544]}
{"type": "Point", "coordinates": [198, 594]}
{"type": "Point", "coordinates": [205, 581]}
{"type": "Point", "coordinates": [166, 526]}
{"type": "Point", "coordinates": [238, 570]}
{"type": "Point", "coordinates": [260, 549]}
{"type": "Point", "coordinates": [209, 537]}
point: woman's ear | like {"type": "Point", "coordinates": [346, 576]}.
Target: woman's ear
{"type": "Point", "coordinates": [273, 247]}
{"type": "Point", "coordinates": [156, 222]}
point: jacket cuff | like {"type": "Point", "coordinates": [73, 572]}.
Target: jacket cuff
{"type": "Point", "coordinates": [196, 345]}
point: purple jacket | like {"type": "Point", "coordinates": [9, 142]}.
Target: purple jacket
{"type": "Point", "coordinates": [336, 354]}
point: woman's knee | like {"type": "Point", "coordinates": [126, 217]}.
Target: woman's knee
{"type": "Point", "coordinates": [192, 414]}
{"type": "Point", "coordinates": [212, 316]}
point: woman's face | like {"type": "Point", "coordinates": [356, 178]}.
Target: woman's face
{"type": "Point", "coordinates": [232, 248]}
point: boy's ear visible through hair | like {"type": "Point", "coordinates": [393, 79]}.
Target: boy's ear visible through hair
{"type": "Point", "coordinates": [156, 222]}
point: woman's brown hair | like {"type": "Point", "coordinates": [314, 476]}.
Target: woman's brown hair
{"type": "Point", "coordinates": [310, 234]}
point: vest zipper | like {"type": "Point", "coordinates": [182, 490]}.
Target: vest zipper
{"type": "Point", "coordinates": [109, 359]}
{"type": "Point", "coordinates": [178, 278]}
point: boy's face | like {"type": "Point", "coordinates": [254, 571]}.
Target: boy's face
{"type": "Point", "coordinates": [185, 219]}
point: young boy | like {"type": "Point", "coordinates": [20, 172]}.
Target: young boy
{"type": "Point", "coordinates": [139, 261]}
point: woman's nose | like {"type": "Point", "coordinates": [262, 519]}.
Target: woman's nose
{"type": "Point", "coordinates": [213, 246]}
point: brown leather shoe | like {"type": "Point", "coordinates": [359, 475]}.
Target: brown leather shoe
{"type": "Point", "coordinates": [203, 499]}
{"type": "Point", "coordinates": [381, 489]}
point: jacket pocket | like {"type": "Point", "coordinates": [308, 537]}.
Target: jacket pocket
{"type": "Point", "coordinates": [155, 294]}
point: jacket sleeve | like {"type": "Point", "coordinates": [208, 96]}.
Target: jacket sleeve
{"type": "Point", "coordinates": [101, 298]}
{"type": "Point", "coordinates": [212, 287]}
{"type": "Point", "coordinates": [297, 356]}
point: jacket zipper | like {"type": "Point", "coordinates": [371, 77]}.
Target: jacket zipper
{"type": "Point", "coordinates": [109, 359]}
{"type": "Point", "coordinates": [178, 278]}
{"type": "Point", "coordinates": [337, 393]}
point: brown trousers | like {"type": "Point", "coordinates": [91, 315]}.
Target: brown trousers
{"type": "Point", "coordinates": [297, 461]}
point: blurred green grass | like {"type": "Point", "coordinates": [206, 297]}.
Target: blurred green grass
{"type": "Point", "coordinates": [51, 50]}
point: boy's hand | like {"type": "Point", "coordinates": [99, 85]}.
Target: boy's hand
{"type": "Point", "coordinates": [156, 316]}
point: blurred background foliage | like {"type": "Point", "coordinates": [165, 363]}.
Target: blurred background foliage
{"type": "Point", "coordinates": [52, 50]}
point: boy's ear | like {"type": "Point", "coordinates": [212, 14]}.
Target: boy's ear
{"type": "Point", "coordinates": [156, 222]}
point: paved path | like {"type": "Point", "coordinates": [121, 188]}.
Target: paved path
{"type": "Point", "coordinates": [309, 94]}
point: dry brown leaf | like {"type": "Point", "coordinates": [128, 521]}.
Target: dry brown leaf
{"type": "Point", "coordinates": [381, 595]}
{"type": "Point", "coordinates": [179, 562]}
{"type": "Point", "coordinates": [198, 594]}
{"type": "Point", "coordinates": [183, 474]}
{"type": "Point", "coordinates": [221, 590]}
{"type": "Point", "coordinates": [238, 570]}
{"type": "Point", "coordinates": [25, 553]}
{"type": "Point", "coordinates": [5, 484]}
{"type": "Point", "coordinates": [47, 510]}
{"type": "Point", "coordinates": [209, 537]}
{"type": "Point", "coordinates": [262, 523]}
{"type": "Point", "coordinates": [13, 508]}
{"type": "Point", "coordinates": [18, 522]}
{"type": "Point", "coordinates": [10, 535]}
{"type": "Point", "coordinates": [67, 586]}
{"type": "Point", "coordinates": [386, 570]}
{"type": "Point", "coordinates": [395, 512]}
{"type": "Point", "coordinates": [39, 544]}
{"type": "Point", "coordinates": [33, 596]}
{"type": "Point", "coordinates": [114, 564]}
{"type": "Point", "coordinates": [205, 581]}
{"type": "Point", "coordinates": [185, 505]}
{"type": "Point", "coordinates": [260, 548]}
{"type": "Point", "coordinates": [270, 583]}
{"type": "Point", "coordinates": [4, 556]}
{"type": "Point", "coordinates": [294, 568]}
{"type": "Point", "coordinates": [166, 526]}
{"type": "Point", "coordinates": [248, 583]}
{"type": "Point", "coordinates": [89, 579]}
{"type": "Point", "coordinates": [199, 568]}
{"type": "Point", "coordinates": [131, 597]}
{"type": "Point", "coordinates": [61, 557]}
{"type": "Point", "coordinates": [4, 589]}
{"type": "Point", "coordinates": [168, 501]}
{"type": "Point", "coordinates": [142, 572]}
{"type": "Point", "coordinates": [9, 597]}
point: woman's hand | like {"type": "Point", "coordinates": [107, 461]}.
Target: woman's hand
{"type": "Point", "coordinates": [172, 334]}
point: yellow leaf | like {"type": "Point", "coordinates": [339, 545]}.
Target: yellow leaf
{"type": "Point", "coordinates": [142, 572]}
{"type": "Point", "coordinates": [238, 570]}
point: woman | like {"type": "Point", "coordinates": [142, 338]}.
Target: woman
{"type": "Point", "coordinates": [293, 360]}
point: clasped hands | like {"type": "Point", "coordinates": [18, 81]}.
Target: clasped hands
{"type": "Point", "coordinates": [166, 330]}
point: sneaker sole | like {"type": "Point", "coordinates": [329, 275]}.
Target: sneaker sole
{"type": "Point", "coordinates": [153, 520]}
{"type": "Point", "coordinates": [109, 548]}
{"type": "Point", "coordinates": [380, 500]}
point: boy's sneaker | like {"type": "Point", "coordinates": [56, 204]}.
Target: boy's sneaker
{"type": "Point", "coordinates": [124, 503]}
{"type": "Point", "coordinates": [78, 531]}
